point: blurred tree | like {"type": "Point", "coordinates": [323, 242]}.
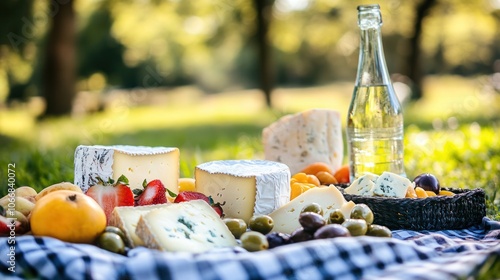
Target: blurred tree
{"type": "Point", "coordinates": [414, 54]}
{"type": "Point", "coordinates": [60, 61]}
{"type": "Point", "coordinates": [264, 14]}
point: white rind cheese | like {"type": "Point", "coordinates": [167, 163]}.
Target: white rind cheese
{"type": "Point", "coordinates": [135, 162]}
{"type": "Point", "coordinates": [286, 218]}
{"type": "Point", "coordinates": [191, 226]}
{"type": "Point", "coordinates": [127, 217]}
{"type": "Point", "coordinates": [304, 138]}
{"type": "Point", "coordinates": [391, 185]}
{"type": "Point", "coordinates": [364, 185]}
{"type": "Point", "coordinates": [245, 187]}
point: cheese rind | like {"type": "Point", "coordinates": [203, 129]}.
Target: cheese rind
{"type": "Point", "coordinates": [127, 217]}
{"type": "Point", "coordinates": [137, 163]}
{"type": "Point", "coordinates": [286, 218]}
{"type": "Point", "coordinates": [245, 187]}
{"type": "Point", "coordinates": [391, 185]}
{"type": "Point", "coordinates": [191, 226]}
{"type": "Point", "coordinates": [304, 138]}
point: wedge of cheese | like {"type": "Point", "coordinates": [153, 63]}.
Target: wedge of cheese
{"type": "Point", "coordinates": [286, 218]}
{"type": "Point", "coordinates": [364, 185]}
{"type": "Point", "coordinates": [127, 217]}
{"type": "Point", "coordinates": [191, 226]}
{"type": "Point", "coordinates": [391, 185]}
{"type": "Point", "coordinates": [245, 187]}
{"type": "Point", "coordinates": [137, 163]}
{"type": "Point", "coordinates": [304, 138]}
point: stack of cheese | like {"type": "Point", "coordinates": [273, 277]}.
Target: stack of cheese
{"type": "Point", "coordinates": [388, 184]}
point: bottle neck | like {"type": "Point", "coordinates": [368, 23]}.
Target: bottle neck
{"type": "Point", "coordinates": [372, 69]}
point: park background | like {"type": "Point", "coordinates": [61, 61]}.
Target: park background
{"type": "Point", "coordinates": [208, 75]}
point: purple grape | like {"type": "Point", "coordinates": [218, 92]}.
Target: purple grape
{"type": "Point", "coordinates": [428, 182]}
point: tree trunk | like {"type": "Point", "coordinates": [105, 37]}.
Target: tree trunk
{"type": "Point", "coordinates": [59, 68]}
{"type": "Point", "coordinates": [266, 75]}
{"type": "Point", "coordinates": [413, 61]}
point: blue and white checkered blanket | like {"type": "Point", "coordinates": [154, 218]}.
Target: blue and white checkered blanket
{"type": "Point", "coordinates": [451, 254]}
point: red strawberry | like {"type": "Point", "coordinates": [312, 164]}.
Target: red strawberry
{"type": "Point", "coordinates": [110, 195]}
{"type": "Point", "coordinates": [190, 195]}
{"type": "Point", "coordinates": [153, 193]}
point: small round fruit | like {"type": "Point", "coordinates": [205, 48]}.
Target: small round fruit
{"type": "Point", "coordinates": [343, 175]}
{"type": "Point", "coordinates": [362, 211]}
{"type": "Point", "coordinates": [311, 221]}
{"type": "Point", "coordinates": [254, 241]}
{"type": "Point", "coordinates": [336, 217]}
{"type": "Point", "coordinates": [118, 231]}
{"type": "Point", "coordinates": [356, 227]}
{"type": "Point", "coordinates": [236, 226]}
{"type": "Point", "coordinates": [261, 223]}
{"type": "Point", "coordinates": [331, 231]}
{"type": "Point", "coordinates": [112, 242]}
{"type": "Point", "coordinates": [378, 230]}
{"type": "Point", "coordinates": [69, 216]}
{"type": "Point", "coordinates": [313, 207]}
{"type": "Point", "coordinates": [428, 182]}
{"type": "Point", "coordinates": [276, 239]}
{"type": "Point", "coordinates": [300, 235]}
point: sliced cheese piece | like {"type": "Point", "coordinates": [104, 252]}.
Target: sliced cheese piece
{"type": "Point", "coordinates": [191, 226]}
{"type": "Point", "coordinates": [137, 163]}
{"type": "Point", "coordinates": [304, 138]}
{"type": "Point", "coordinates": [245, 187]}
{"type": "Point", "coordinates": [364, 185]}
{"type": "Point", "coordinates": [391, 185]}
{"type": "Point", "coordinates": [286, 218]}
{"type": "Point", "coordinates": [127, 217]}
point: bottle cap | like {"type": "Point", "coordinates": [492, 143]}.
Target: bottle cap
{"type": "Point", "coordinates": [369, 17]}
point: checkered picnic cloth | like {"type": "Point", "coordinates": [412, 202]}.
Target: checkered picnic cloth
{"type": "Point", "coordinates": [448, 254]}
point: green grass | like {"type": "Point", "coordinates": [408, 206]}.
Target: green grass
{"type": "Point", "coordinates": [453, 132]}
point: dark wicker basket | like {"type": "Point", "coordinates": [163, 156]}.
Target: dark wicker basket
{"type": "Point", "coordinates": [466, 208]}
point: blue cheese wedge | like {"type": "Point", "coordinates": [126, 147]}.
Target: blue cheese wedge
{"type": "Point", "coordinates": [391, 185]}
{"type": "Point", "coordinates": [127, 217]}
{"type": "Point", "coordinates": [301, 139]}
{"type": "Point", "coordinates": [245, 187]}
{"type": "Point", "coordinates": [137, 163]}
{"type": "Point", "coordinates": [191, 226]}
{"type": "Point", "coordinates": [364, 185]}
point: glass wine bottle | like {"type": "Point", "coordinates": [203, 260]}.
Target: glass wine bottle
{"type": "Point", "coordinates": [375, 118]}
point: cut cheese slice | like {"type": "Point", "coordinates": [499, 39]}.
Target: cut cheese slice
{"type": "Point", "coordinates": [127, 217]}
{"type": "Point", "coordinates": [245, 187]}
{"type": "Point", "coordinates": [391, 185]}
{"type": "Point", "coordinates": [364, 185]}
{"type": "Point", "coordinates": [286, 218]}
{"type": "Point", "coordinates": [304, 138]}
{"type": "Point", "coordinates": [137, 163]}
{"type": "Point", "coordinates": [191, 226]}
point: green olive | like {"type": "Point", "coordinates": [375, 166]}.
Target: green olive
{"type": "Point", "coordinates": [356, 227]}
{"type": "Point", "coordinates": [336, 217]}
{"type": "Point", "coordinates": [378, 230]}
{"type": "Point", "coordinates": [311, 221]}
{"type": "Point", "coordinates": [236, 226]}
{"type": "Point", "coordinates": [313, 207]}
{"type": "Point", "coordinates": [362, 211]}
{"type": "Point", "coordinates": [119, 232]}
{"type": "Point", "coordinates": [112, 242]}
{"type": "Point", "coordinates": [254, 241]}
{"type": "Point", "coordinates": [261, 223]}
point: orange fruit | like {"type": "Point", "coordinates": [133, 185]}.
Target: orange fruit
{"type": "Point", "coordinates": [69, 216]}
{"type": "Point", "coordinates": [326, 178]}
{"type": "Point", "coordinates": [342, 175]}
{"type": "Point", "coordinates": [312, 179]}
{"type": "Point", "coordinates": [299, 188]}
{"type": "Point", "coordinates": [316, 167]}
{"type": "Point", "coordinates": [186, 184]}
